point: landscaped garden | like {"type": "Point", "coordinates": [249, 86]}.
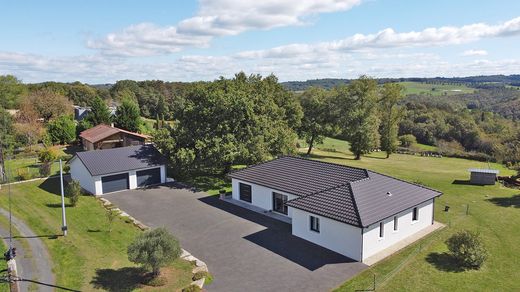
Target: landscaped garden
{"type": "Point", "coordinates": [94, 254]}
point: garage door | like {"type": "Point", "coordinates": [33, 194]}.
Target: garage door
{"type": "Point", "coordinates": [149, 177]}
{"type": "Point", "coordinates": [114, 183]}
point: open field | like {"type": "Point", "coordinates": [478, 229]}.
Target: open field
{"type": "Point", "coordinates": [420, 88]}
{"type": "Point", "coordinates": [90, 257]}
{"type": "Point", "coordinates": [491, 211]}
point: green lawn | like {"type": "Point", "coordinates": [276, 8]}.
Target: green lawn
{"type": "Point", "coordinates": [89, 257]}
{"type": "Point", "coordinates": [329, 144]}
{"type": "Point", "coordinates": [420, 88]}
{"type": "Point", "coordinates": [492, 212]}
{"type": "Point", "coordinates": [424, 147]}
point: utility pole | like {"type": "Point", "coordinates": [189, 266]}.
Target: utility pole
{"type": "Point", "coordinates": [63, 218]}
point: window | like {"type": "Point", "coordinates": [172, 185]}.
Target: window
{"type": "Point", "coordinates": [415, 214]}
{"type": "Point", "coordinates": [315, 224]}
{"type": "Point", "coordinates": [396, 223]}
{"type": "Point", "coordinates": [245, 192]}
{"type": "Point", "coordinates": [279, 201]}
{"type": "Point", "coordinates": [381, 230]}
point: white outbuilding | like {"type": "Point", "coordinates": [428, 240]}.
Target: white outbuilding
{"type": "Point", "coordinates": [355, 212]}
{"type": "Point", "coordinates": [116, 169]}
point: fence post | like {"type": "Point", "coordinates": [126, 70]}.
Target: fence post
{"type": "Point", "coordinates": [467, 209]}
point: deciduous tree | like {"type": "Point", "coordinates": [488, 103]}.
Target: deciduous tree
{"type": "Point", "coordinates": [391, 115]}
{"type": "Point", "coordinates": [99, 112]}
{"type": "Point", "coordinates": [62, 130]}
{"type": "Point", "coordinates": [11, 91]}
{"type": "Point", "coordinates": [128, 116]}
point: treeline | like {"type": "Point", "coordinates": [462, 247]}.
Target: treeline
{"type": "Point", "coordinates": [472, 81]}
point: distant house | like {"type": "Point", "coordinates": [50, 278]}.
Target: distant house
{"type": "Point", "coordinates": [106, 137]}
{"type": "Point", "coordinates": [80, 112]}
{"type": "Point", "coordinates": [483, 176]}
{"type": "Point", "coordinates": [352, 211]}
{"type": "Point", "coordinates": [104, 171]}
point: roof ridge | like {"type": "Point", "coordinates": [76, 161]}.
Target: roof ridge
{"type": "Point", "coordinates": [354, 203]}
{"type": "Point", "coordinates": [412, 183]}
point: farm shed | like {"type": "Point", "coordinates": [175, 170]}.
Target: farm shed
{"type": "Point", "coordinates": [483, 176]}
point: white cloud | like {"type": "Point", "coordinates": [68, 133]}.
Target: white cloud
{"type": "Point", "coordinates": [214, 18]}
{"type": "Point", "coordinates": [475, 53]}
{"type": "Point", "coordinates": [388, 38]}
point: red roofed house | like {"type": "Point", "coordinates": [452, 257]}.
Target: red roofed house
{"type": "Point", "coordinates": [106, 137]}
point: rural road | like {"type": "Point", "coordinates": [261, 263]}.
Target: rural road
{"type": "Point", "coordinates": [33, 264]}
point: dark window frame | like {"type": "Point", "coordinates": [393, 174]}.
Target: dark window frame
{"type": "Point", "coordinates": [396, 223]}
{"type": "Point", "coordinates": [245, 197]}
{"type": "Point", "coordinates": [284, 209]}
{"type": "Point", "coordinates": [381, 229]}
{"type": "Point", "coordinates": [314, 224]}
{"type": "Point", "coordinates": [415, 214]}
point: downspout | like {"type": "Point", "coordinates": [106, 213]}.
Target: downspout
{"type": "Point", "coordinates": [362, 243]}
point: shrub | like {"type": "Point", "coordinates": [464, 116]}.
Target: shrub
{"type": "Point", "coordinates": [199, 275]}
{"type": "Point", "coordinates": [48, 154]}
{"type": "Point", "coordinates": [111, 215]}
{"type": "Point", "coordinates": [157, 282]}
{"type": "Point", "coordinates": [73, 192]}
{"type": "Point", "coordinates": [191, 288]}
{"type": "Point", "coordinates": [467, 248]}
{"type": "Point", "coordinates": [407, 140]}
{"type": "Point", "coordinates": [154, 249]}
{"type": "Point", "coordinates": [45, 169]}
{"type": "Point", "coordinates": [24, 174]}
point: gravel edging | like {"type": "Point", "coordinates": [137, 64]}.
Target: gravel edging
{"type": "Point", "coordinates": [200, 266]}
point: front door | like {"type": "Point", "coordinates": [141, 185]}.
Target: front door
{"type": "Point", "coordinates": [279, 201]}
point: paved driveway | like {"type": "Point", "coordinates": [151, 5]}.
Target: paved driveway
{"type": "Point", "coordinates": [244, 250]}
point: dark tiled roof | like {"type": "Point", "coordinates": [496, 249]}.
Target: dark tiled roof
{"type": "Point", "coordinates": [351, 195]}
{"type": "Point", "coordinates": [299, 176]}
{"type": "Point", "coordinates": [99, 162]}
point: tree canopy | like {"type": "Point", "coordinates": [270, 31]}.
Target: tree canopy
{"type": "Point", "coordinates": [11, 91]}
{"type": "Point", "coordinates": [62, 130]}
{"type": "Point", "coordinates": [128, 116]}
{"type": "Point", "coordinates": [99, 112]}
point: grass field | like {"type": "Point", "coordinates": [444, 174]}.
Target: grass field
{"type": "Point", "coordinates": [420, 88]}
{"type": "Point", "coordinates": [90, 257]}
{"type": "Point", "coordinates": [492, 209]}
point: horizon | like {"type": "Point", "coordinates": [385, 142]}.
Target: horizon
{"type": "Point", "coordinates": [294, 40]}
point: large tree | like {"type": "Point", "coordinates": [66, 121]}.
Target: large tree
{"type": "Point", "coordinates": [317, 119]}
{"type": "Point", "coordinates": [47, 104]}
{"type": "Point", "coordinates": [99, 112]}
{"type": "Point", "coordinates": [241, 120]}
{"type": "Point", "coordinates": [11, 90]}
{"type": "Point", "coordinates": [62, 130]}
{"type": "Point", "coordinates": [357, 105]}
{"type": "Point", "coordinates": [128, 116]}
{"type": "Point", "coordinates": [391, 115]}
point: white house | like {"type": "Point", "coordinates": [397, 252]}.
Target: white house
{"type": "Point", "coordinates": [110, 170]}
{"type": "Point", "coordinates": [352, 211]}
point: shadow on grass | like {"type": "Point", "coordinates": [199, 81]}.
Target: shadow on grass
{"type": "Point", "coordinates": [444, 262]}
{"type": "Point", "coordinates": [462, 182]}
{"type": "Point", "coordinates": [124, 279]}
{"type": "Point", "coordinates": [513, 201]}
{"type": "Point", "coordinates": [52, 185]}
{"type": "Point", "coordinates": [48, 236]}
{"type": "Point", "coordinates": [58, 205]}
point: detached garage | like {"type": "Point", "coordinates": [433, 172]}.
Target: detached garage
{"type": "Point", "coordinates": [111, 170]}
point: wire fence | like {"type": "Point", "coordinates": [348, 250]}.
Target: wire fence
{"type": "Point", "coordinates": [380, 279]}
{"type": "Point", "coordinates": [27, 168]}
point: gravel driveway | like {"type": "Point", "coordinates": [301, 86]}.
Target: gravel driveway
{"type": "Point", "coordinates": [244, 250]}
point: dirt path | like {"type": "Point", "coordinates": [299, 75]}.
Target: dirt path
{"type": "Point", "coordinates": [33, 260]}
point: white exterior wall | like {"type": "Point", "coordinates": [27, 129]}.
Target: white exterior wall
{"type": "Point", "coordinates": [373, 244]}
{"type": "Point", "coordinates": [94, 185]}
{"type": "Point", "coordinates": [79, 172]}
{"type": "Point", "coordinates": [260, 196]}
{"type": "Point", "coordinates": [340, 237]}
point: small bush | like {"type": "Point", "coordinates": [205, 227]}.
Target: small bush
{"type": "Point", "coordinates": [467, 248]}
{"type": "Point", "coordinates": [73, 192]}
{"type": "Point", "coordinates": [45, 169]}
{"type": "Point", "coordinates": [25, 174]}
{"type": "Point", "coordinates": [199, 275]}
{"type": "Point", "coordinates": [191, 288]}
{"type": "Point", "coordinates": [407, 140]}
{"type": "Point", "coordinates": [157, 282]}
{"type": "Point", "coordinates": [111, 216]}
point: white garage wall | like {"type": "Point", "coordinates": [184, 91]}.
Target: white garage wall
{"type": "Point", "coordinates": [261, 196]}
{"type": "Point", "coordinates": [79, 172]}
{"type": "Point", "coordinates": [372, 243]}
{"type": "Point", "coordinates": [340, 237]}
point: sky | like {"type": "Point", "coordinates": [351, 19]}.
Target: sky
{"type": "Point", "coordinates": [105, 41]}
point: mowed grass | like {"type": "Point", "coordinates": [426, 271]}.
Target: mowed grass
{"type": "Point", "coordinates": [90, 257]}
{"type": "Point", "coordinates": [494, 212]}
{"type": "Point", "coordinates": [420, 88]}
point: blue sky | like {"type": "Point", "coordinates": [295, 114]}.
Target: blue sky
{"type": "Point", "coordinates": [104, 41]}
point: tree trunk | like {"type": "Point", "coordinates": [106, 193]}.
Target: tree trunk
{"type": "Point", "coordinates": [156, 271]}
{"type": "Point", "coordinates": [358, 156]}
{"type": "Point", "coordinates": [310, 145]}
{"type": "Point", "coordinates": [387, 154]}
